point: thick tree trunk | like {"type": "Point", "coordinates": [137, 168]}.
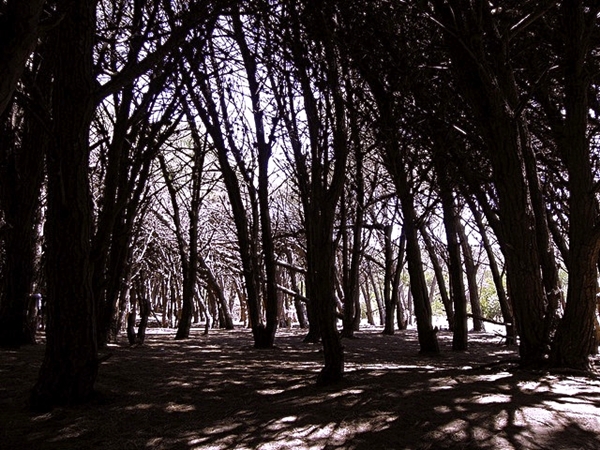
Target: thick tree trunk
{"type": "Point", "coordinates": [575, 337]}
{"type": "Point", "coordinates": [321, 278]}
{"type": "Point", "coordinates": [490, 89]}
{"type": "Point", "coordinates": [70, 365]}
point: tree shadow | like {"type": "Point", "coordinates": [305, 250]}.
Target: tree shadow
{"type": "Point", "coordinates": [218, 392]}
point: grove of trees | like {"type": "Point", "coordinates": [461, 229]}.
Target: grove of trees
{"type": "Point", "coordinates": [277, 162]}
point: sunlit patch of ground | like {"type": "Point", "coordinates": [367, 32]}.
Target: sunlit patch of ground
{"type": "Point", "coordinates": [218, 392]}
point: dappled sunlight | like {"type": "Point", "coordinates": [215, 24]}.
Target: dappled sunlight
{"type": "Point", "coordinates": [218, 392]}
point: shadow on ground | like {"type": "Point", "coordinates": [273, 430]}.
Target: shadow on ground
{"type": "Point", "coordinates": [217, 392]}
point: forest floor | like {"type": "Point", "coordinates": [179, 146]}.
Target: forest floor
{"type": "Point", "coordinates": [218, 392]}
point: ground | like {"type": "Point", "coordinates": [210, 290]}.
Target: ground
{"type": "Point", "coordinates": [218, 392]}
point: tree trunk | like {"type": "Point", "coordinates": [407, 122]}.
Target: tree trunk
{"type": "Point", "coordinates": [145, 307]}
{"type": "Point", "coordinates": [505, 307]}
{"type": "Point", "coordinates": [418, 285]}
{"type": "Point", "coordinates": [19, 24]}
{"type": "Point", "coordinates": [390, 307]}
{"type": "Point", "coordinates": [451, 225]}
{"type": "Point", "coordinates": [215, 288]}
{"type": "Point", "coordinates": [267, 335]}
{"type": "Point", "coordinates": [575, 341]}
{"type": "Point", "coordinates": [321, 276]}
{"type": "Point", "coordinates": [439, 276]}
{"type": "Point", "coordinates": [21, 176]}
{"type": "Point", "coordinates": [378, 300]}
{"type": "Point", "coordinates": [489, 87]}
{"type": "Point", "coordinates": [70, 365]}
{"type": "Point", "coordinates": [471, 273]}
{"type": "Point", "coordinates": [368, 306]}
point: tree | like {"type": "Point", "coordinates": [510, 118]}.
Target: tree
{"type": "Point", "coordinates": [253, 226]}
{"type": "Point", "coordinates": [575, 336]}
{"type": "Point", "coordinates": [482, 71]}
{"type": "Point", "coordinates": [21, 179]}
{"type": "Point", "coordinates": [386, 82]}
{"type": "Point", "coordinates": [70, 365]}
{"type": "Point", "coordinates": [20, 25]}
{"type": "Point", "coordinates": [320, 168]}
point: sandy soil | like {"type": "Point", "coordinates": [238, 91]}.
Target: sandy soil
{"type": "Point", "coordinates": [217, 392]}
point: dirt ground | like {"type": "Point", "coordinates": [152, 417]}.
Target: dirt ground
{"type": "Point", "coordinates": [217, 392]}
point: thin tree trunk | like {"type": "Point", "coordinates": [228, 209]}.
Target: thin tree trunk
{"type": "Point", "coordinates": [368, 306]}
{"type": "Point", "coordinates": [439, 276]}
{"type": "Point", "coordinates": [390, 307]}
{"type": "Point", "coordinates": [451, 225]}
{"type": "Point", "coordinates": [471, 273]}
{"type": "Point", "coordinates": [505, 306]}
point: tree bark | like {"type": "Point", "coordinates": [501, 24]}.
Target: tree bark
{"type": "Point", "coordinates": [505, 306]}
{"type": "Point", "coordinates": [489, 87]}
{"type": "Point", "coordinates": [390, 307]}
{"type": "Point", "coordinates": [70, 365]}
{"type": "Point", "coordinates": [19, 27]}
{"type": "Point", "coordinates": [439, 276]}
{"type": "Point", "coordinates": [20, 185]}
{"type": "Point", "coordinates": [471, 273]}
{"type": "Point", "coordinates": [267, 335]}
{"type": "Point", "coordinates": [451, 225]}
{"type": "Point", "coordinates": [575, 337]}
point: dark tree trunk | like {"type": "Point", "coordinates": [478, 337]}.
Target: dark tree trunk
{"type": "Point", "coordinates": [298, 302]}
{"type": "Point", "coordinates": [247, 228]}
{"type": "Point", "coordinates": [215, 288]}
{"type": "Point", "coordinates": [505, 306]}
{"type": "Point", "coordinates": [378, 300]}
{"type": "Point", "coordinates": [418, 285]}
{"type": "Point", "coordinates": [18, 36]}
{"type": "Point", "coordinates": [439, 276]}
{"type": "Point", "coordinates": [70, 365]}
{"type": "Point", "coordinates": [368, 306]}
{"type": "Point", "coordinates": [389, 299]}
{"type": "Point", "coordinates": [575, 341]}
{"type": "Point", "coordinates": [266, 337]}
{"type": "Point", "coordinates": [145, 308]}
{"type": "Point", "coordinates": [489, 87]}
{"type": "Point", "coordinates": [321, 276]}
{"type": "Point", "coordinates": [471, 273]}
{"type": "Point", "coordinates": [131, 326]}
{"type": "Point", "coordinates": [351, 276]}
{"type": "Point", "coordinates": [390, 306]}
{"type": "Point", "coordinates": [20, 184]}
{"type": "Point", "coordinates": [451, 225]}
{"type": "Point", "coordinates": [21, 175]}
{"type": "Point", "coordinates": [401, 319]}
